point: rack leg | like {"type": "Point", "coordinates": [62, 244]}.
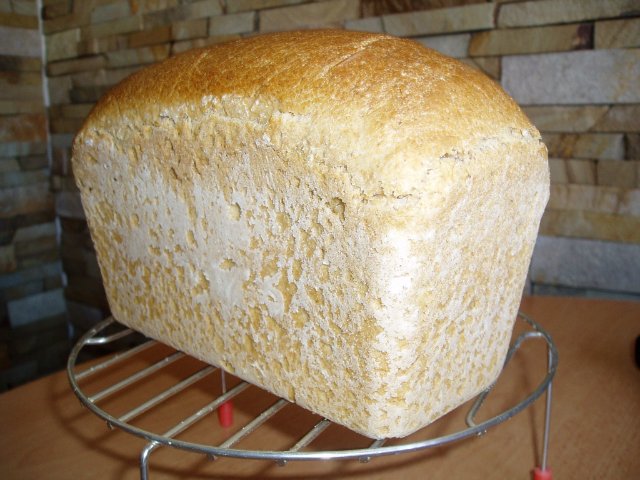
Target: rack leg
{"type": "Point", "coordinates": [144, 460]}
{"type": "Point", "coordinates": [543, 472]}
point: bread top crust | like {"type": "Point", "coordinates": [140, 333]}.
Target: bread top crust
{"type": "Point", "coordinates": [394, 105]}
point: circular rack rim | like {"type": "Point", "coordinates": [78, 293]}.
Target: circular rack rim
{"type": "Point", "coordinates": [363, 454]}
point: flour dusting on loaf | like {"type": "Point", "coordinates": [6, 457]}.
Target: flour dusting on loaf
{"type": "Point", "coordinates": [345, 219]}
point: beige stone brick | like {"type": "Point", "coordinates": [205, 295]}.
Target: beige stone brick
{"type": "Point", "coordinates": [111, 11]}
{"type": "Point", "coordinates": [590, 225]}
{"type": "Point", "coordinates": [19, 64]}
{"type": "Point", "coordinates": [8, 261]}
{"type": "Point", "coordinates": [446, 20]}
{"type": "Point", "coordinates": [77, 110]}
{"type": "Point", "coordinates": [21, 92]}
{"type": "Point", "coordinates": [65, 22]}
{"type": "Point", "coordinates": [585, 145]}
{"type": "Point", "coordinates": [370, 24]}
{"type": "Point", "coordinates": [150, 37]}
{"type": "Point", "coordinates": [64, 67]}
{"type": "Point", "coordinates": [20, 178]}
{"type": "Point", "coordinates": [632, 145]}
{"type": "Point", "coordinates": [25, 7]}
{"type": "Point", "coordinates": [570, 78]}
{"type": "Point", "coordinates": [570, 119]}
{"type": "Point", "coordinates": [29, 127]}
{"type": "Point", "coordinates": [330, 12]}
{"type": "Point", "coordinates": [114, 27]}
{"type": "Point", "coordinates": [59, 88]}
{"type": "Point", "coordinates": [619, 118]}
{"type": "Point", "coordinates": [545, 12]}
{"type": "Point", "coordinates": [102, 78]}
{"type": "Point", "coordinates": [69, 205]}
{"type": "Point", "coordinates": [235, 6]}
{"type": "Point", "coordinates": [531, 40]}
{"type": "Point", "coordinates": [232, 24]}
{"type": "Point", "coordinates": [56, 10]}
{"type": "Point", "coordinates": [189, 11]}
{"type": "Point", "coordinates": [189, 29]}
{"type": "Point", "coordinates": [20, 78]}
{"type": "Point", "coordinates": [25, 200]}
{"type": "Point", "coordinates": [490, 66]}
{"type": "Point", "coordinates": [618, 174]}
{"type": "Point", "coordinates": [20, 42]}
{"type": "Point", "coordinates": [623, 33]}
{"type": "Point", "coordinates": [19, 21]}
{"type": "Point", "coordinates": [15, 107]}
{"type": "Point", "coordinates": [455, 46]}
{"type": "Point", "coordinates": [9, 165]}
{"type": "Point", "coordinates": [137, 56]}
{"type": "Point", "coordinates": [573, 170]}
{"type": "Point", "coordinates": [62, 45]}
{"type": "Point", "coordinates": [98, 45]}
{"type": "Point", "coordinates": [65, 125]}
{"type": "Point", "coordinates": [145, 6]}
{"type": "Point", "coordinates": [592, 198]}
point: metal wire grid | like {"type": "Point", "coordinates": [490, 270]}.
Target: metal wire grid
{"type": "Point", "coordinates": [296, 452]}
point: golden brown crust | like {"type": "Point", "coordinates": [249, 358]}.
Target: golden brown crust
{"type": "Point", "coordinates": [403, 92]}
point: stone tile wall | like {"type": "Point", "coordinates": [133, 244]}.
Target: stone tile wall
{"type": "Point", "coordinates": [573, 65]}
{"type": "Point", "coordinates": [33, 329]}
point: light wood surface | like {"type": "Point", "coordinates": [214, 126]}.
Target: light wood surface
{"type": "Point", "coordinates": [595, 426]}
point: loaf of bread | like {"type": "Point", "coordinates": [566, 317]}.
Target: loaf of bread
{"type": "Point", "coordinates": [344, 219]}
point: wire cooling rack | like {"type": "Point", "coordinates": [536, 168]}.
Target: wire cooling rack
{"type": "Point", "coordinates": [296, 452]}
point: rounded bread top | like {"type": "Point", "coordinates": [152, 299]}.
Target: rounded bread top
{"type": "Point", "coordinates": [391, 100]}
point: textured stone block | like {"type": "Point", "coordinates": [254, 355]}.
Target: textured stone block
{"type": "Point", "coordinates": [166, 17]}
{"type": "Point", "coordinates": [40, 272]}
{"type": "Point", "coordinates": [585, 145]}
{"type": "Point", "coordinates": [21, 92]}
{"type": "Point", "coordinates": [587, 264]}
{"type": "Point", "coordinates": [593, 225]}
{"type": "Point", "coordinates": [62, 45]}
{"type": "Point", "coordinates": [531, 40]}
{"type": "Point", "coordinates": [102, 78]}
{"type": "Point", "coordinates": [150, 37]}
{"type": "Point", "coordinates": [68, 204]}
{"type": "Point", "coordinates": [19, 64]}
{"type": "Point", "coordinates": [16, 107]}
{"type": "Point", "coordinates": [583, 77]}
{"type": "Point", "coordinates": [25, 200]}
{"type": "Point", "coordinates": [455, 46]}
{"type": "Point", "coordinates": [17, 20]}
{"type": "Point", "coordinates": [490, 66]}
{"type": "Point", "coordinates": [114, 27]}
{"type": "Point", "coordinates": [18, 179]}
{"type": "Point", "coordinates": [21, 42]}
{"type": "Point", "coordinates": [33, 162]}
{"type": "Point", "coordinates": [59, 89]}
{"type": "Point", "coordinates": [37, 307]}
{"type": "Point", "coordinates": [111, 11]}
{"type": "Point", "coordinates": [632, 142]}
{"type": "Point", "coordinates": [9, 165]}
{"type": "Point", "coordinates": [189, 29]}
{"type": "Point", "coordinates": [619, 174]}
{"type": "Point", "coordinates": [601, 199]}
{"type": "Point", "coordinates": [33, 232]}
{"type": "Point", "coordinates": [544, 12]}
{"type": "Point", "coordinates": [8, 262]}
{"type": "Point", "coordinates": [232, 24]}
{"type": "Point", "coordinates": [445, 20]}
{"type": "Point", "coordinates": [29, 127]}
{"type": "Point", "coordinates": [19, 149]}
{"type": "Point", "coordinates": [620, 118]}
{"type": "Point", "coordinates": [64, 67]}
{"type": "Point", "coordinates": [573, 170]}
{"type": "Point", "coordinates": [571, 119]}
{"type": "Point", "coordinates": [98, 45]}
{"type": "Point", "coordinates": [330, 12]}
{"type": "Point", "coordinates": [370, 24]}
{"type": "Point", "coordinates": [243, 5]}
{"type": "Point", "coordinates": [137, 56]}
{"type": "Point", "coordinates": [623, 33]}
{"type": "Point", "coordinates": [56, 10]}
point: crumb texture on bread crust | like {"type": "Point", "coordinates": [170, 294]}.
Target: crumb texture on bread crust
{"type": "Point", "coordinates": [344, 219]}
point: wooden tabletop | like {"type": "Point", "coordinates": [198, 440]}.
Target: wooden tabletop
{"type": "Point", "coordinates": [595, 423]}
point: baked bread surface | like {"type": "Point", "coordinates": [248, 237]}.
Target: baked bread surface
{"type": "Point", "coordinates": [345, 219]}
